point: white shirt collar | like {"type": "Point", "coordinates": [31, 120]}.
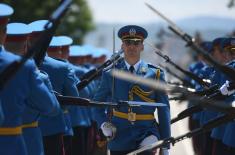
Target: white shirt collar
{"type": "Point", "coordinates": [136, 66]}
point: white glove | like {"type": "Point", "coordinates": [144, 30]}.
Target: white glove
{"type": "Point", "coordinates": [164, 151]}
{"type": "Point", "coordinates": [149, 140]}
{"type": "Point", "coordinates": [107, 129]}
{"type": "Point", "coordinates": [224, 89]}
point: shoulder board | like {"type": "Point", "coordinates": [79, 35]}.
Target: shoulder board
{"type": "Point", "coordinates": [157, 70]}
{"type": "Point", "coordinates": [153, 66]}
{"type": "Point", "coordinates": [60, 59]}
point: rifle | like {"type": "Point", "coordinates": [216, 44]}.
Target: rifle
{"type": "Point", "coordinates": [79, 101]}
{"type": "Point", "coordinates": [92, 74]}
{"type": "Point", "coordinates": [208, 92]}
{"type": "Point", "coordinates": [228, 71]}
{"type": "Point", "coordinates": [172, 140]}
{"type": "Point", "coordinates": [189, 74]}
{"type": "Point", "coordinates": [185, 82]}
{"type": "Point", "coordinates": [39, 47]}
{"type": "Point", "coordinates": [204, 102]}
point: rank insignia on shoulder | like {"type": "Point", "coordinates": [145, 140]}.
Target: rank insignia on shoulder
{"type": "Point", "coordinates": [153, 66]}
{"type": "Point", "coordinates": [60, 59]}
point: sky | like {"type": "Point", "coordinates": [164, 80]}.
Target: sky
{"type": "Point", "coordinates": [135, 11]}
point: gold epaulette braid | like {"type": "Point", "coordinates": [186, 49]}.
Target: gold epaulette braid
{"type": "Point", "coordinates": [144, 95]}
{"type": "Point", "coordinates": [141, 93]}
{"type": "Point", "coordinates": [158, 73]}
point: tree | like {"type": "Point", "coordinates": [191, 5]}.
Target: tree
{"type": "Point", "coordinates": [76, 23]}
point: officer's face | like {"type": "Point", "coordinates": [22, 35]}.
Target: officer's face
{"type": "Point", "coordinates": [132, 48]}
{"type": "Point", "coordinates": [230, 54]}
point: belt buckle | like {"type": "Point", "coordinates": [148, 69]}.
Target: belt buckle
{"type": "Point", "coordinates": [131, 116]}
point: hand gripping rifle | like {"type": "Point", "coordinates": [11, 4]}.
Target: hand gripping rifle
{"type": "Point", "coordinates": [39, 47]}
{"type": "Point", "coordinates": [213, 93]}
{"type": "Point", "coordinates": [228, 71]}
{"type": "Point", "coordinates": [92, 74]}
{"type": "Point", "coordinates": [203, 102]}
{"type": "Point", "coordinates": [187, 73]}
{"type": "Point", "coordinates": [205, 128]}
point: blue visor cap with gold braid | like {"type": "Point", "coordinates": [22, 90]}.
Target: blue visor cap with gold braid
{"type": "Point", "coordinates": [132, 32]}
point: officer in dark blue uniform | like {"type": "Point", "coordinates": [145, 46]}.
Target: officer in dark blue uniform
{"type": "Point", "coordinates": [223, 135]}
{"type": "Point", "coordinates": [26, 85]}
{"type": "Point", "coordinates": [135, 127]}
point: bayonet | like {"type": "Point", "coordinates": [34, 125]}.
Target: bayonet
{"type": "Point", "coordinates": [230, 72]}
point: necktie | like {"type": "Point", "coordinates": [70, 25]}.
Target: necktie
{"type": "Point", "coordinates": [131, 69]}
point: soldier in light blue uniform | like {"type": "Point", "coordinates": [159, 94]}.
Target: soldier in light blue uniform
{"type": "Point", "coordinates": [64, 82]}
{"type": "Point", "coordinates": [84, 131]}
{"type": "Point", "coordinates": [79, 115]}
{"type": "Point", "coordinates": [135, 127]}
{"type": "Point", "coordinates": [31, 132]}
{"type": "Point", "coordinates": [25, 85]}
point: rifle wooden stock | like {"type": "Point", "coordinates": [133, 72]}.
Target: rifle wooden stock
{"type": "Point", "coordinates": [69, 100]}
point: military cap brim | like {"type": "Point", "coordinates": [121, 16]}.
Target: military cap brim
{"type": "Point", "coordinates": [38, 26]}
{"type": "Point", "coordinates": [5, 10]}
{"type": "Point", "coordinates": [17, 31]}
{"type": "Point", "coordinates": [61, 41]}
{"type": "Point", "coordinates": [77, 51]}
{"type": "Point", "coordinates": [132, 32]}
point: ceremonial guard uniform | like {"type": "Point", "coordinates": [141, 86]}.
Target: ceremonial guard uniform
{"type": "Point", "coordinates": [26, 84]}
{"type": "Point", "coordinates": [63, 81]}
{"type": "Point", "coordinates": [218, 133]}
{"type": "Point", "coordinates": [82, 122]}
{"type": "Point", "coordinates": [135, 127]}
{"type": "Point", "coordinates": [228, 45]}
{"type": "Point", "coordinates": [31, 132]}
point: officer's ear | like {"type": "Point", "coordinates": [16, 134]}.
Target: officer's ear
{"type": "Point", "coordinates": [142, 47]}
{"type": "Point", "coordinates": [122, 47]}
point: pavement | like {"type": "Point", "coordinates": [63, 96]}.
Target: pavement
{"type": "Point", "coordinates": [183, 147]}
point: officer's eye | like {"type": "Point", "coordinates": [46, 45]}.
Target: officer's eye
{"type": "Point", "coordinates": [132, 42]}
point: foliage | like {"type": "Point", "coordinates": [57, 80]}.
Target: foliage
{"type": "Point", "coordinates": [76, 23]}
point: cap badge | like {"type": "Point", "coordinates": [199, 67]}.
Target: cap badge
{"type": "Point", "coordinates": [132, 32]}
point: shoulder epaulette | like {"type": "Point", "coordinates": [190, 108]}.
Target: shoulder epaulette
{"type": "Point", "coordinates": [63, 60]}
{"type": "Point", "coordinates": [153, 66]}
{"type": "Point", "coordinates": [158, 70]}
